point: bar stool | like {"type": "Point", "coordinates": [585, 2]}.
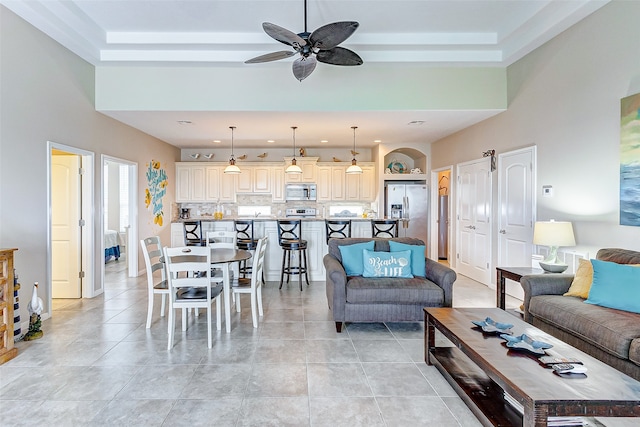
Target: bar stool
{"type": "Point", "coordinates": [385, 228]}
{"type": "Point", "coordinates": [193, 235]}
{"type": "Point", "coordinates": [290, 239]}
{"type": "Point", "coordinates": [337, 228]}
{"type": "Point", "coordinates": [246, 241]}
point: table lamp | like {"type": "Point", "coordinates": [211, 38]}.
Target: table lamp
{"type": "Point", "coordinates": [553, 234]}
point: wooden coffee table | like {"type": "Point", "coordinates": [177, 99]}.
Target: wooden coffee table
{"type": "Point", "coordinates": [481, 368]}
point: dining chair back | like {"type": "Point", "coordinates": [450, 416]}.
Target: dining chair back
{"type": "Point", "coordinates": [384, 228]}
{"type": "Point", "coordinates": [337, 228]}
{"type": "Point", "coordinates": [156, 274]}
{"type": "Point", "coordinates": [193, 233]}
{"type": "Point", "coordinates": [253, 285]}
{"type": "Point", "coordinates": [222, 239]}
{"type": "Point", "coordinates": [191, 286]}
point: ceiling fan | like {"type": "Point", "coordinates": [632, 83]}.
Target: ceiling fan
{"type": "Point", "coordinates": [320, 45]}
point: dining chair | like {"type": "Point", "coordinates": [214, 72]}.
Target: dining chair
{"type": "Point", "coordinates": [223, 240]}
{"type": "Point", "coordinates": [385, 228]}
{"type": "Point", "coordinates": [253, 285]}
{"type": "Point", "coordinates": [195, 289]}
{"type": "Point", "coordinates": [337, 228]}
{"type": "Point", "coordinates": [156, 274]}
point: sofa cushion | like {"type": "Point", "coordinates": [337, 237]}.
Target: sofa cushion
{"type": "Point", "coordinates": [418, 264]}
{"type": "Point", "coordinates": [606, 328]}
{"type": "Point", "coordinates": [387, 264]}
{"type": "Point", "coordinates": [362, 290]}
{"type": "Point", "coordinates": [634, 351]}
{"type": "Point", "coordinates": [615, 286]}
{"type": "Point", "coordinates": [352, 259]}
{"type": "Point", "coordinates": [582, 280]}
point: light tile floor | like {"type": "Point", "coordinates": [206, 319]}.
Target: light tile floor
{"type": "Point", "coordinates": [97, 364]}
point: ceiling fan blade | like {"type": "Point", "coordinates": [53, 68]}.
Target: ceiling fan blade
{"type": "Point", "coordinates": [283, 35]}
{"type": "Point", "coordinates": [331, 35]}
{"type": "Point", "coordinates": [273, 56]}
{"type": "Point", "coordinates": [339, 56]}
{"type": "Point", "coordinates": [303, 67]}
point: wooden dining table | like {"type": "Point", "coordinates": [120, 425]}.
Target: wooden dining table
{"type": "Point", "coordinates": [224, 258]}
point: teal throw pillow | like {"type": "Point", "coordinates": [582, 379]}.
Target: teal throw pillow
{"type": "Point", "coordinates": [615, 286]}
{"type": "Point", "coordinates": [352, 257]}
{"type": "Point", "coordinates": [417, 256]}
{"type": "Point", "coordinates": [387, 264]}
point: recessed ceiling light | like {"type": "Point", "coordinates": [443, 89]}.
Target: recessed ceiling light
{"type": "Point", "coordinates": [270, 141]}
{"type": "Point", "coordinates": [416, 123]}
{"type": "Point", "coordinates": [217, 141]}
{"type": "Point", "coordinates": [377, 141]}
{"type": "Point", "coordinates": [324, 141]}
{"type": "Point", "coordinates": [184, 122]}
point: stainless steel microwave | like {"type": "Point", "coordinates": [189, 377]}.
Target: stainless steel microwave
{"type": "Point", "coordinates": [300, 192]}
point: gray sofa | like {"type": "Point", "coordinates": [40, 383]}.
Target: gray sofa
{"type": "Point", "coordinates": [360, 299]}
{"type": "Point", "coordinates": [612, 336]}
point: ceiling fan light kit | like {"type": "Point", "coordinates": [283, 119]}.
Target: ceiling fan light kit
{"type": "Point", "coordinates": [318, 46]}
{"type": "Point", "coordinates": [232, 168]}
{"type": "Point", "coordinates": [293, 167]}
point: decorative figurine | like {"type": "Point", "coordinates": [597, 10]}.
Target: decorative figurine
{"type": "Point", "coordinates": [302, 152]}
{"type": "Point", "coordinates": [35, 308]}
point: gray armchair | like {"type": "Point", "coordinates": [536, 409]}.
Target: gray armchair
{"type": "Point", "coordinates": [360, 299]}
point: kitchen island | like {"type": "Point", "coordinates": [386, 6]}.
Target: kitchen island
{"type": "Point", "coordinates": [313, 230]}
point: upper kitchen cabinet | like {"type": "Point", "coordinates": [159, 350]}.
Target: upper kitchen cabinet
{"type": "Point", "coordinates": [308, 166]}
{"type": "Point", "coordinates": [399, 164]}
{"type": "Point", "coordinates": [361, 187]}
{"type": "Point", "coordinates": [331, 182]}
{"type": "Point", "coordinates": [190, 182]}
{"type": "Point", "coordinates": [254, 179]}
{"type": "Point", "coordinates": [277, 184]}
{"type": "Point", "coordinates": [220, 186]}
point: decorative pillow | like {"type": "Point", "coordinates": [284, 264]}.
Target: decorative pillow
{"type": "Point", "coordinates": [615, 286]}
{"type": "Point", "coordinates": [387, 264]}
{"type": "Point", "coordinates": [417, 256]}
{"type": "Point", "coordinates": [352, 257]}
{"type": "Point", "coordinates": [582, 280]}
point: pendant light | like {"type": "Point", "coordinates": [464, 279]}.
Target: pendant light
{"type": "Point", "coordinates": [354, 168]}
{"type": "Point", "coordinates": [232, 168]}
{"type": "Point", "coordinates": [293, 167]}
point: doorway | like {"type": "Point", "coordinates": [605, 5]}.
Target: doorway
{"type": "Point", "coordinates": [70, 231]}
{"type": "Point", "coordinates": [119, 218]}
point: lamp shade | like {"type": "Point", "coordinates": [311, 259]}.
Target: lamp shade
{"type": "Point", "coordinates": [553, 233]}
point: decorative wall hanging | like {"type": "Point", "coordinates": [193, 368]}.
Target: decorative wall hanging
{"type": "Point", "coordinates": [492, 154]}
{"type": "Point", "coordinates": [156, 190]}
{"type": "Point", "coordinates": [630, 160]}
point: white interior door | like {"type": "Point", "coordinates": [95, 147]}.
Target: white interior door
{"type": "Point", "coordinates": [474, 220]}
{"type": "Point", "coordinates": [65, 226]}
{"type": "Point", "coordinates": [516, 217]}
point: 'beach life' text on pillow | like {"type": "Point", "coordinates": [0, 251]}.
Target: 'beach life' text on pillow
{"type": "Point", "coordinates": [387, 264]}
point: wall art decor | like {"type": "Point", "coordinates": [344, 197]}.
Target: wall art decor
{"type": "Point", "coordinates": [156, 190]}
{"type": "Point", "coordinates": [630, 160]}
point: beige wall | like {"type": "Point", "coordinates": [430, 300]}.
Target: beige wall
{"type": "Point", "coordinates": [47, 94]}
{"type": "Point", "coordinates": [565, 99]}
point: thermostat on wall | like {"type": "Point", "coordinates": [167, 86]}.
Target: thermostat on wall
{"type": "Point", "coordinates": [547, 191]}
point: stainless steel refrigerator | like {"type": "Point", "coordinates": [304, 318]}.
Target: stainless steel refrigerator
{"type": "Point", "coordinates": [408, 202]}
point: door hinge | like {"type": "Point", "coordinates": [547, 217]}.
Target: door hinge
{"type": "Point", "coordinates": [458, 256]}
{"type": "Point", "coordinates": [82, 223]}
{"type": "Point", "coordinates": [81, 171]}
{"type": "Point", "coordinates": [81, 275]}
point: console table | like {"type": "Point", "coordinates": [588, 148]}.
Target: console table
{"type": "Point", "coordinates": [7, 351]}
{"type": "Point", "coordinates": [513, 273]}
{"type": "Point", "coordinates": [481, 368]}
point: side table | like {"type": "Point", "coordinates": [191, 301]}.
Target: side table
{"type": "Point", "coordinates": [513, 273]}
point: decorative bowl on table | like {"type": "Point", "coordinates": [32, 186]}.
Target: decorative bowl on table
{"type": "Point", "coordinates": [526, 343]}
{"type": "Point", "coordinates": [490, 326]}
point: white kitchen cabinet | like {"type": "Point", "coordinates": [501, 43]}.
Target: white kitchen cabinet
{"type": "Point", "coordinates": [331, 182]}
{"type": "Point", "coordinates": [254, 179]}
{"type": "Point", "coordinates": [277, 183]}
{"type": "Point", "coordinates": [360, 228]}
{"type": "Point", "coordinates": [324, 184]}
{"type": "Point", "coordinates": [190, 182]}
{"type": "Point", "coordinates": [361, 187]}
{"type": "Point", "coordinates": [220, 186]}
{"type": "Point", "coordinates": [308, 166]}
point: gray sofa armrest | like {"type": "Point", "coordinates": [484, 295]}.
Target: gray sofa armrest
{"type": "Point", "coordinates": [336, 286]}
{"type": "Point", "coordinates": [442, 276]}
{"type": "Point", "coordinates": [543, 284]}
